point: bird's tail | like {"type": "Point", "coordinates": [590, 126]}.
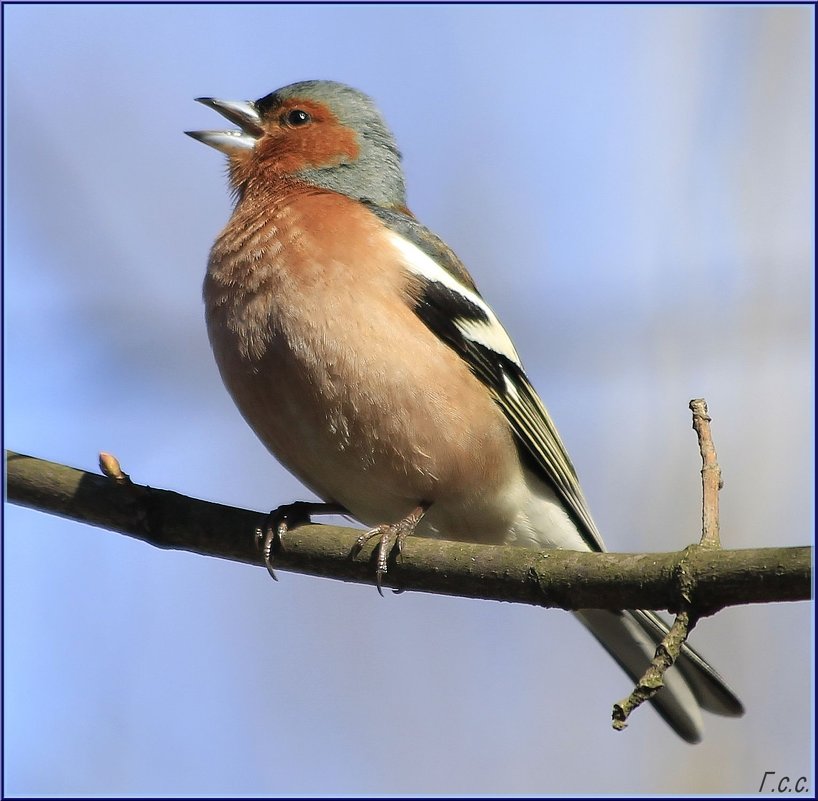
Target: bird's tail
{"type": "Point", "coordinates": [690, 686]}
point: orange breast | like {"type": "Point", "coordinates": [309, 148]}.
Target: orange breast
{"type": "Point", "coordinates": [310, 322]}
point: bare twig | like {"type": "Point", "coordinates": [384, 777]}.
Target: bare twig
{"type": "Point", "coordinates": [711, 475]}
{"type": "Point", "coordinates": [668, 650]}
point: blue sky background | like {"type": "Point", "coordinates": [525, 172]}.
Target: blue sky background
{"type": "Point", "coordinates": [631, 187]}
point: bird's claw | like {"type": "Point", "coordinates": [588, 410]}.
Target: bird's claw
{"type": "Point", "coordinates": [391, 536]}
{"type": "Point", "coordinates": [281, 520]}
{"type": "Point", "coordinates": [388, 540]}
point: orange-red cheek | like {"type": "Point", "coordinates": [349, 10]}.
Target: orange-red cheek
{"type": "Point", "coordinates": [320, 145]}
{"type": "Point", "coordinates": [284, 151]}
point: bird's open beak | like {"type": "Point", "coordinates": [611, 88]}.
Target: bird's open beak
{"type": "Point", "coordinates": [241, 112]}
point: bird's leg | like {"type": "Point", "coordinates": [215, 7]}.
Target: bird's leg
{"type": "Point", "coordinates": [392, 535]}
{"type": "Point", "coordinates": [281, 520]}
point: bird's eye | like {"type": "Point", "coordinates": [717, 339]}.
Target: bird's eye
{"type": "Point", "coordinates": [297, 117]}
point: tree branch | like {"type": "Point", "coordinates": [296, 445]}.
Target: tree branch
{"type": "Point", "coordinates": [712, 579]}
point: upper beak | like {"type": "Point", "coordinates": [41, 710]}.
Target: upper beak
{"type": "Point", "coordinates": [243, 113]}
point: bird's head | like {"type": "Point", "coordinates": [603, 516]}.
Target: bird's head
{"type": "Point", "coordinates": [322, 133]}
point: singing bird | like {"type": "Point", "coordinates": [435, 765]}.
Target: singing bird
{"type": "Point", "coordinates": [358, 348]}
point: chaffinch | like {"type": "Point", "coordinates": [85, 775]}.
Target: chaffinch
{"type": "Point", "coordinates": [358, 348]}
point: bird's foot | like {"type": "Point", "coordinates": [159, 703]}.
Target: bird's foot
{"type": "Point", "coordinates": [392, 535]}
{"type": "Point", "coordinates": [281, 520]}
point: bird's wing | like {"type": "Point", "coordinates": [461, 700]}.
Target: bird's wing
{"type": "Point", "coordinates": [445, 298]}
{"type": "Point", "coordinates": [432, 245]}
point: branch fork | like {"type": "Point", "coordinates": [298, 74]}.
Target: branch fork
{"type": "Point", "coordinates": [668, 650]}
